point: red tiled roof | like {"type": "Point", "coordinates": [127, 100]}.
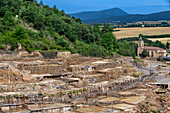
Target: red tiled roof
{"type": "Point", "coordinates": [152, 48]}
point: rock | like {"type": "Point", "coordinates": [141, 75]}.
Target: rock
{"type": "Point", "coordinates": [19, 47]}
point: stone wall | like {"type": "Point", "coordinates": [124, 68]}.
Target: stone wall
{"type": "Point", "coordinates": [6, 57]}
{"type": "Point", "coordinates": [21, 55]}
{"type": "Point", "coordinates": [45, 69]}
{"type": "Point", "coordinates": [63, 55]}
{"type": "Point", "coordinates": [37, 54]}
{"type": "Point", "coordinates": [10, 72]}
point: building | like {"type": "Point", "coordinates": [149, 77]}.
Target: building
{"type": "Point", "coordinates": [153, 51]}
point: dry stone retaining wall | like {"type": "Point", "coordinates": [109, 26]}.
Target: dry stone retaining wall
{"type": "Point", "coordinates": [45, 69]}
{"type": "Point", "coordinates": [6, 57]}
{"type": "Point", "coordinates": [63, 54]}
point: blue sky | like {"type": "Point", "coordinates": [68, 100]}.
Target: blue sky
{"type": "Point", "coordinates": [130, 6]}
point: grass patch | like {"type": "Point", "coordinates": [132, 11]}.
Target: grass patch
{"type": "Point", "coordinates": [126, 66]}
{"type": "Point", "coordinates": [137, 74]}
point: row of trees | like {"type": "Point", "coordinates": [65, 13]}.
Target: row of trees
{"type": "Point", "coordinates": [147, 41]}
{"type": "Point", "coordinates": [157, 36]}
{"type": "Point", "coordinates": [145, 25]}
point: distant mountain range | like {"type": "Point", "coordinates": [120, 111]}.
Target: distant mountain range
{"type": "Point", "coordinates": [118, 15]}
{"type": "Point", "coordinates": [89, 15]}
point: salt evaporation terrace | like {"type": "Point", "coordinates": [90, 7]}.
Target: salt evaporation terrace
{"type": "Point", "coordinates": [31, 82]}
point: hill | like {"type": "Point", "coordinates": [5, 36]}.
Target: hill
{"type": "Point", "coordinates": [36, 26]}
{"type": "Point", "coordinates": [132, 18]}
{"type": "Point", "coordinates": [89, 15]}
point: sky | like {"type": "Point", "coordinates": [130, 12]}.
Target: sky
{"type": "Point", "coordinates": [130, 6]}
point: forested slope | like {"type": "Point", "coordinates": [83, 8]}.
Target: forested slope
{"type": "Point", "coordinates": [39, 27]}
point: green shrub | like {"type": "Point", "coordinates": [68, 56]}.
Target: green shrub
{"type": "Point", "coordinates": [91, 49]}
{"type": "Point", "coordinates": [15, 95]}
{"type": "Point", "coordinates": [2, 46]}
{"type": "Point", "coordinates": [1, 96]}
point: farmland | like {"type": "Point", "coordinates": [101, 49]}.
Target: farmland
{"type": "Point", "coordinates": [134, 32]}
{"type": "Point", "coordinates": [163, 40]}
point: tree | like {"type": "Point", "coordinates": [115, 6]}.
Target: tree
{"type": "Point", "coordinates": [97, 29]}
{"type": "Point", "coordinates": [78, 20]}
{"type": "Point", "coordinates": [73, 17]}
{"type": "Point", "coordinates": [8, 19]}
{"type": "Point", "coordinates": [140, 35]}
{"type": "Point", "coordinates": [109, 41]}
{"type": "Point", "coordinates": [62, 12]}
{"type": "Point", "coordinates": [41, 3]}
{"type": "Point", "coordinates": [127, 48]}
{"type": "Point", "coordinates": [167, 45]}
{"type": "Point", "coordinates": [55, 9]}
{"type": "Point", "coordinates": [30, 14]}
{"type": "Point", "coordinates": [39, 22]}
{"type": "Point", "coordinates": [20, 33]}
{"type": "Point", "coordinates": [145, 53]}
{"type": "Point", "coordinates": [164, 23]}
{"type": "Point", "coordinates": [41, 34]}
{"type": "Point", "coordinates": [2, 11]}
{"type": "Point", "coordinates": [90, 49]}
{"type": "Point", "coordinates": [107, 28]}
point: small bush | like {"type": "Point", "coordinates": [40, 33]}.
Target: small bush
{"type": "Point", "coordinates": [15, 95]}
{"type": "Point", "coordinates": [137, 74]}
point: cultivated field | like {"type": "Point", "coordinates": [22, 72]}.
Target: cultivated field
{"type": "Point", "coordinates": [163, 40]}
{"type": "Point", "coordinates": [134, 32]}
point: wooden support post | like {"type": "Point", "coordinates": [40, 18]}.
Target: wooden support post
{"type": "Point", "coordinates": [22, 100]}
{"type": "Point", "coordinates": [9, 81]}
